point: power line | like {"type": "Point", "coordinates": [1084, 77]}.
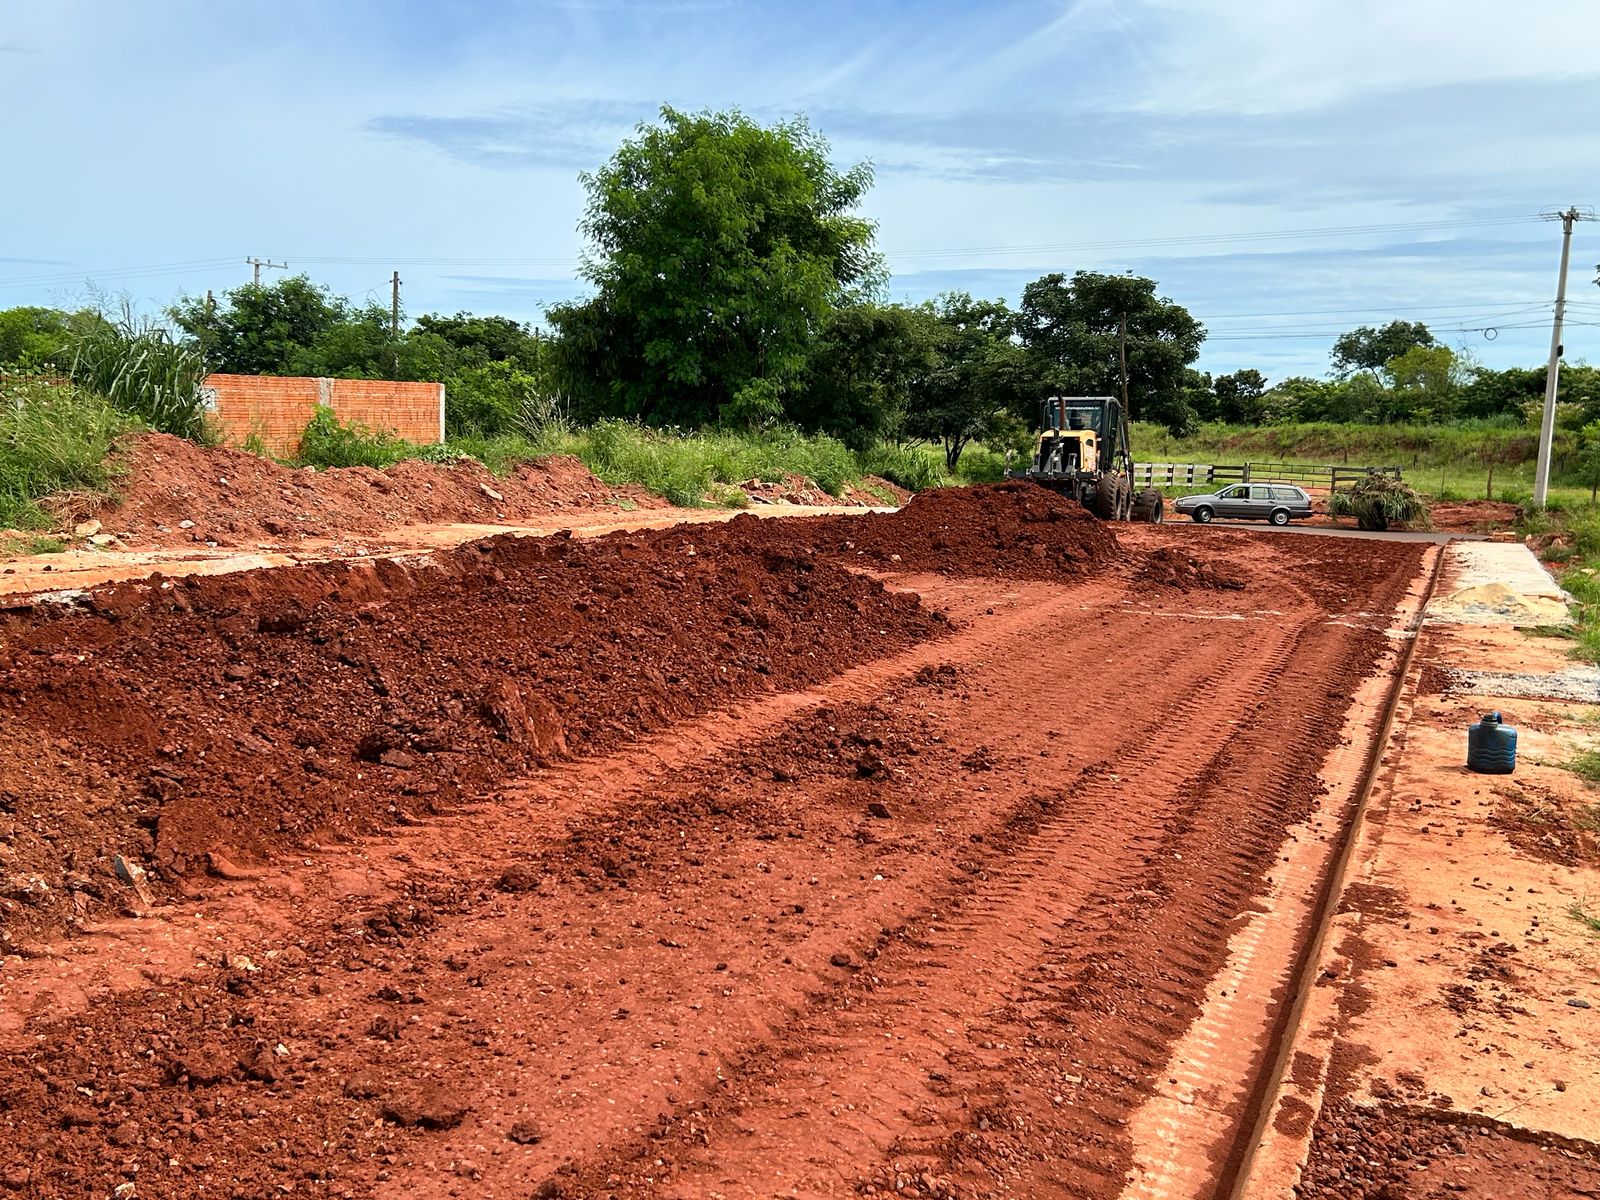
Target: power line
{"type": "Point", "coordinates": [931, 254]}
{"type": "Point", "coordinates": [1325, 334]}
{"type": "Point", "coordinates": [1030, 248]}
{"type": "Point", "coordinates": [119, 272]}
{"type": "Point", "coordinates": [1387, 308]}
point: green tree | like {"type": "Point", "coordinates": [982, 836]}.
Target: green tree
{"type": "Point", "coordinates": [719, 248]}
{"type": "Point", "coordinates": [260, 329]}
{"type": "Point", "coordinates": [1489, 393]}
{"type": "Point", "coordinates": [1588, 453]}
{"type": "Point", "coordinates": [1425, 384]}
{"type": "Point", "coordinates": [486, 339]}
{"type": "Point", "coordinates": [1301, 398]}
{"type": "Point", "coordinates": [32, 337]}
{"type": "Point", "coordinates": [863, 370]}
{"type": "Point", "coordinates": [1070, 328]}
{"type": "Point", "coordinates": [1240, 398]}
{"type": "Point", "coordinates": [1369, 349]}
{"type": "Point", "coordinates": [981, 379]}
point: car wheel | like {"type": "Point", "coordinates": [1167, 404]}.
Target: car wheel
{"type": "Point", "coordinates": [1280, 516]}
{"type": "Point", "coordinates": [1158, 513]}
{"type": "Point", "coordinates": [1203, 515]}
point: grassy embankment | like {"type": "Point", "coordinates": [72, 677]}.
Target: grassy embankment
{"type": "Point", "coordinates": [689, 468]}
{"type": "Point", "coordinates": [1446, 462]}
{"type": "Point", "coordinates": [1572, 551]}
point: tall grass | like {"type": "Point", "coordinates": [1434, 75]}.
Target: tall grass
{"type": "Point", "coordinates": [686, 466]}
{"type": "Point", "coordinates": [144, 371]}
{"type": "Point", "coordinates": [914, 468]}
{"type": "Point", "coordinates": [53, 438]}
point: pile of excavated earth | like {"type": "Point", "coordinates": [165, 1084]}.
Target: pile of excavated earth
{"type": "Point", "coordinates": [843, 855]}
{"type": "Point", "coordinates": [176, 723]}
{"type": "Point", "coordinates": [171, 492]}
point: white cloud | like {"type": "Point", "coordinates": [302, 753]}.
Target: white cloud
{"type": "Point", "coordinates": [1257, 56]}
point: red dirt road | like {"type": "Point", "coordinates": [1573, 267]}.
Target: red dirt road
{"type": "Point", "coordinates": [923, 918]}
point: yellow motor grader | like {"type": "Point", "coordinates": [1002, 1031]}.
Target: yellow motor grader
{"type": "Point", "coordinates": [1083, 452]}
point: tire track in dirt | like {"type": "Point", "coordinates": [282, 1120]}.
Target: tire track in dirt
{"type": "Point", "coordinates": [420, 931]}
{"type": "Point", "coordinates": [993, 955]}
{"type": "Point", "coordinates": [851, 1092]}
{"type": "Point", "coordinates": [789, 970]}
{"type": "Point", "coordinates": [670, 969]}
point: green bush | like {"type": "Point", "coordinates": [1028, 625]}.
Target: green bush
{"type": "Point", "coordinates": [143, 371]}
{"type": "Point", "coordinates": [911, 468]}
{"type": "Point", "coordinates": [329, 442]}
{"type": "Point", "coordinates": [53, 438]}
{"type": "Point", "coordinates": [686, 466]}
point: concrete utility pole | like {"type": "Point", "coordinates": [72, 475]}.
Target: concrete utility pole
{"type": "Point", "coordinates": [394, 319]}
{"type": "Point", "coordinates": [258, 263]}
{"type": "Point", "coordinates": [1547, 426]}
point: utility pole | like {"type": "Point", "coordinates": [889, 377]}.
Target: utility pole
{"type": "Point", "coordinates": [1547, 426]}
{"type": "Point", "coordinates": [1122, 356]}
{"type": "Point", "coordinates": [394, 319]}
{"type": "Point", "coordinates": [258, 263]}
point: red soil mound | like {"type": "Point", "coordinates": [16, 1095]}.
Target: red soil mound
{"type": "Point", "coordinates": [1175, 569]}
{"type": "Point", "coordinates": [177, 493]}
{"type": "Point", "coordinates": [230, 715]}
{"type": "Point", "coordinates": [1016, 529]}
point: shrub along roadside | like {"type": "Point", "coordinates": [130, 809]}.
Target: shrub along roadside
{"type": "Point", "coordinates": [54, 441]}
{"type": "Point", "coordinates": [1570, 546]}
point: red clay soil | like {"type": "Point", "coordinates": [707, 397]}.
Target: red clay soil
{"type": "Point", "coordinates": [1016, 529]}
{"type": "Point", "coordinates": [1473, 516]}
{"type": "Point", "coordinates": [233, 498]}
{"type": "Point", "coordinates": [1394, 1152]}
{"type": "Point", "coordinates": [875, 492]}
{"type": "Point", "coordinates": [1174, 568]}
{"type": "Point", "coordinates": [926, 927]}
{"type": "Point", "coordinates": [232, 715]}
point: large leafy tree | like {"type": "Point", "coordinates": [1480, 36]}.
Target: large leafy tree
{"type": "Point", "coordinates": [980, 377]}
{"type": "Point", "coordinates": [485, 339]}
{"type": "Point", "coordinates": [1368, 349]}
{"type": "Point", "coordinates": [1240, 398]}
{"type": "Point", "coordinates": [1425, 382]}
{"type": "Point", "coordinates": [719, 248]}
{"type": "Point", "coordinates": [1071, 329]}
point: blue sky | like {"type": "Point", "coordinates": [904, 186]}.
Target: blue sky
{"type": "Point", "coordinates": [1285, 168]}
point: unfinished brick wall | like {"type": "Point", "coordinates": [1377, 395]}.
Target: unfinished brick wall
{"type": "Point", "coordinates": [277, 408]}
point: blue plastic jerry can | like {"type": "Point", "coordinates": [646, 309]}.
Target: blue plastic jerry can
{"type": "Point", "coordinates": [1491, 746]}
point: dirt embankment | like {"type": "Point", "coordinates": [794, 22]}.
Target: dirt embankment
{"type": "Point", "coordinates": [175, 493]}
{"type": "Point", "coordinates": [227, 716]}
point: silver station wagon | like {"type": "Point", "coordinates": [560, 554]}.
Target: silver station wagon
{"type": "Point", "coordinates": [1279, 503]}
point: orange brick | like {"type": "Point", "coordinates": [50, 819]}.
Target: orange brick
{"type": "Point", "coordinates": [277, 408]}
